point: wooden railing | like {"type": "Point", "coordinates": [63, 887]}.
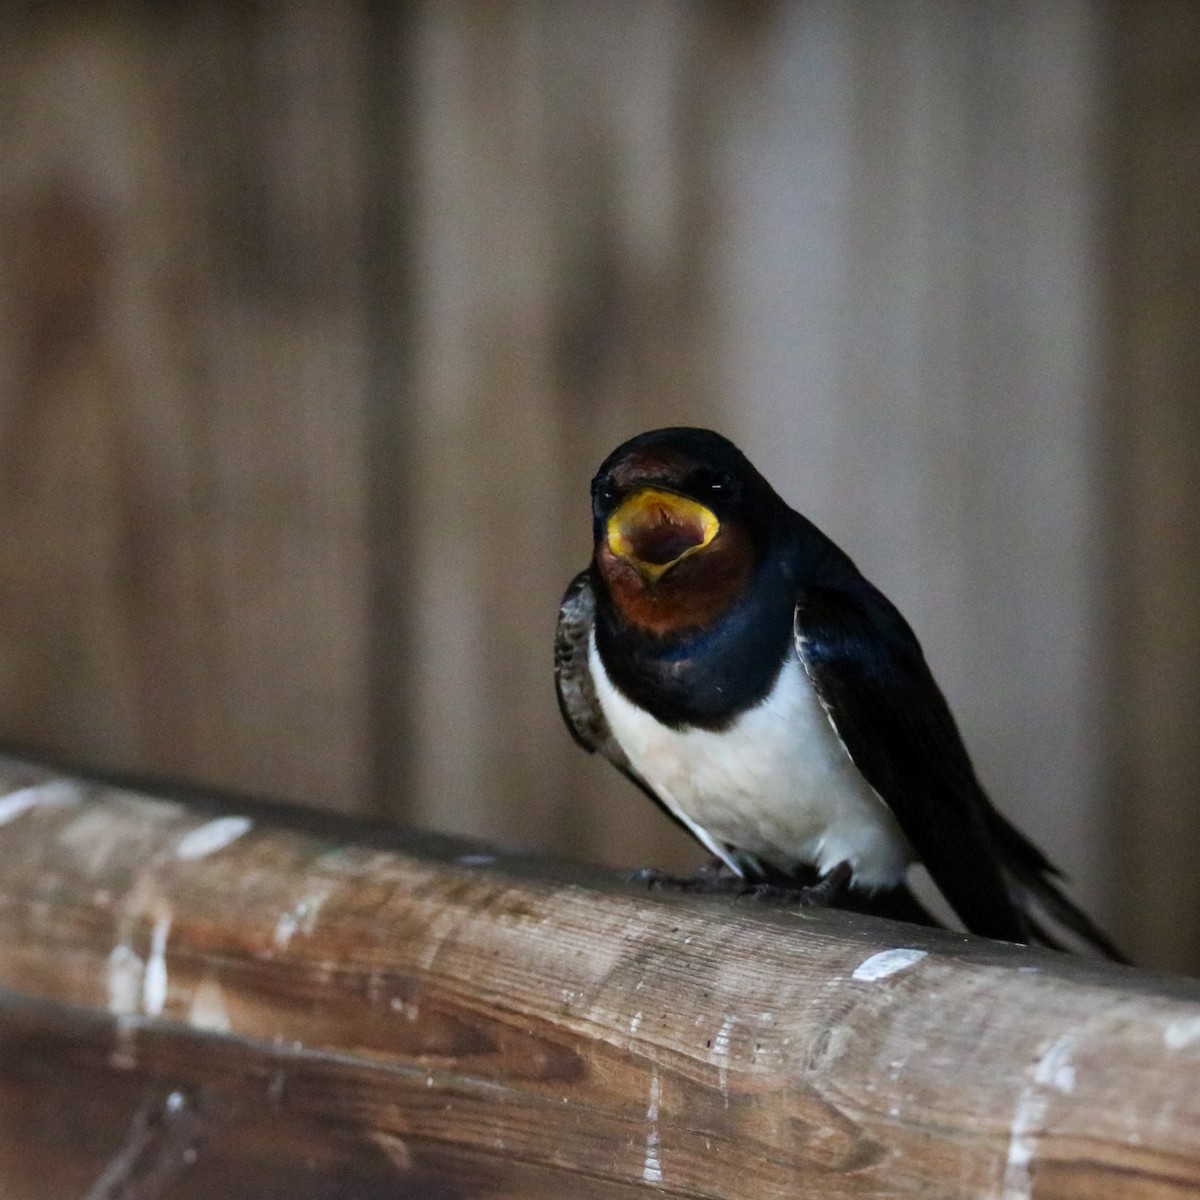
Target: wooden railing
{"type": "Point", "coordinates": [216, 999]}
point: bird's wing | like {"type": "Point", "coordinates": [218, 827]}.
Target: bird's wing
{"type": "Point", "coordinates": [577, 700]}
{"type": "Point", "coordinates": [884, 705]}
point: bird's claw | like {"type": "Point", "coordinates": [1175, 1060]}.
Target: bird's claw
{"type": "Point", "coordinates": [715, 879]}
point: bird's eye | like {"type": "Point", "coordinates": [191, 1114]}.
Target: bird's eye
{"type": "Point", "coordinates": [718, 485]}
{"type": "Point", "coordinates": [604, 492]}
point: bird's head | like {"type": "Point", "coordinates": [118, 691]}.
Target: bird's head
{"type": "Point", "coordinates": [679, 525]}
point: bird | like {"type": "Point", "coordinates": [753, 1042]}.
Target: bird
{"type": "Point", "coordinates": [732, 661]}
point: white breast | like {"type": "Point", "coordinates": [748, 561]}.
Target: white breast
{"type": "Point", "coordinates": [778, 784]}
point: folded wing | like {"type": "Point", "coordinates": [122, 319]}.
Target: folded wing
{"type": "Point", "coordinates": [884, 704]}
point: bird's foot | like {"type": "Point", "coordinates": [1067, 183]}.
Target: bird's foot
{"type": "Point", "coordinates": [716, 879]}
{"type": "Point", "coordinates": [826, 891]}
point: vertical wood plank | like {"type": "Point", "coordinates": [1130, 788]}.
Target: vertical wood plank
{"type": "Point", "coordinates": [563, 306]}
{"type": "Point", "coordinates": [283, 391]}
{"type": "Point", "coordinates": [98, 566]}
{"type": "Point", "coordinates": [1155, 448]}
{"type": "Point", "coordinates": [390, 92]}
{"type": "Point", "coordinates": [185, 563]}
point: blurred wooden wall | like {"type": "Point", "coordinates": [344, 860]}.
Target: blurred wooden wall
{"type": "Point", "coordinates": [316, 318]}
{"type": "Point", "coordinates": [183, 365]}
{"type": "Point", "coordinates": [1153, 426]}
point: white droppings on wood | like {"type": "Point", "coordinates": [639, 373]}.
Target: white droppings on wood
{"type": "Point", "coordinates": [21, 801]}
{"type": "Point", "coordinates": [410, 1009]}
{"type": "Point", "coordinates": [1181, 1032]}
{"type": "Point", "coordinates": [720, 1043]}
{"type": "Point", "coordinates": [124, 1053]}
{"type": "Point", "coordinates": [124, 979]}
{"type": "Point", "coordinates": [394, 1148]}
{"type": "Point", "coordinates": [302, 916]}
{"type": "Point", "coordinates": [635, 1021]}
{"type": "Point", "coordinates": [207, 1010]}
{"type": "Point", "coordinates": [885, 963]}
{"type": "Point", "coordinates": [1055, 1068]}
{"type": "Point", "coordinates": [1031, 1108]}
{"type": "Point", "coordinates": [154, 979]}
{"type": "Point", "coordinates": [212, 836]}
{"type": "Point", "coordinates": [652, 1169]}
{"type": "Point", "coordinates": [1018, 1184]}
{"type": "Point", "coordinates": [285, 929]}
{"type": "Point", "coordinates": [1053, 1071]}
{"type": "Point", "coordinates": [720, 1049]}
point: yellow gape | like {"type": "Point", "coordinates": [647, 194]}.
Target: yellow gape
{"type": "Point", "coordinates": [654, 529]}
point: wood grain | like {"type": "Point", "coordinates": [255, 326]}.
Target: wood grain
{"type": "Point", "coordinates": [203, 996]}
{"type": "Point", "coordinates": [182, 559]}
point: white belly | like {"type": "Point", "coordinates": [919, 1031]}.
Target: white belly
{"type": "Point", "coordinates": [778, 784]}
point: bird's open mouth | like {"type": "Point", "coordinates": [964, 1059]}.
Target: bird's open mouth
{"type": "Point", "coordinates": [654, 530]}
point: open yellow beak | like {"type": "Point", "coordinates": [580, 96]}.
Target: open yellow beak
{"type": "Point", "coordinates": [654, 530]}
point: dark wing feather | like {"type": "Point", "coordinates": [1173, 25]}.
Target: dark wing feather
{"type": "Point", "coordinates": [573, 677]}
{"type": "Point", "coordinates": [872, 678]}
{"type": "Point", "coordinates": [577, 699]}
{"type": "Point", "coordinates": [1034, 877]}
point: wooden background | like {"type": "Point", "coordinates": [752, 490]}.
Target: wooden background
{"type": "Point", "coordinates": [316, 317]}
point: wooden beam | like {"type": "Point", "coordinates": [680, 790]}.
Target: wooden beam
{"type": "Point", "coordinates": [231, 998]}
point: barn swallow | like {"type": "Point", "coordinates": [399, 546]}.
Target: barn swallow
{"type": "Point", "coordinates": [732, 661]}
